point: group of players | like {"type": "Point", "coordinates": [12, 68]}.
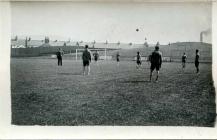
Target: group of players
{"type": "Point", "coordinates": [155, 59]}
{"type": "Point", "coordinates": [184, 57]}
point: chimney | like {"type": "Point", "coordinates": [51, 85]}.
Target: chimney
{"type": "Point", "coordinates": [26, 44]}
{"type": "Point", "coordinates": [201, 36]}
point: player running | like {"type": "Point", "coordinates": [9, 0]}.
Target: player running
{"type": "Point", "coordinates": [96, 56]}
{"type": "Point", "coordinates": [138, 60]}
{"type": "Point", "coordinates": [86, 57]}
{"type": "Point", "coordinates": [59, 57]}
{"type": "Point", "coordinates": [118, 58]}
{"type": "Point", "coordinates": [156, 61]}
{"type": "Point", "coordinates": [184, 57]}
{"type": "Point", "coordinates": [197, 60]}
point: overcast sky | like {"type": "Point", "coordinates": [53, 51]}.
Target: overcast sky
{"type": "Point", "coordinates": [163, 22]}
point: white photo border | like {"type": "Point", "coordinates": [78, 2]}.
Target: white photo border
{"type": "Point", "coordinates": [8, 131]}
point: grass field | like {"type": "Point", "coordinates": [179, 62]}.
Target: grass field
{"type": "Point", "coordinates": [44, 94]}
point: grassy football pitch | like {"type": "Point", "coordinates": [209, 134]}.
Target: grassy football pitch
{"type": "Point", "coordinates": [44, 94]}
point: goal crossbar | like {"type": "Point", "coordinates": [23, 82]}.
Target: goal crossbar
{"type": "Point", "coordinates": [94, 49]}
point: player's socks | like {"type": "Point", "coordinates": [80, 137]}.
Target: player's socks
{"type": "Point", "coordinates": [156, 79]}
{"type": "Point", "coordinates": [88, 73]}
{"type": "Point", "coordinates": [150, 78]}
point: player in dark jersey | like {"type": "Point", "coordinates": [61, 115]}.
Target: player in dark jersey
{"type": "Point", "coordinates": [138, 60]}
{"type": "Point", "coordinates": [59, 57]}
{"type": "Point", "coordinates": [96, 56]}
{"type": "Point", "coordinates": [156, 61]}
{"type": "Point", "coordinates": [118, 58]}
{"type": "Point", "coordinates": [184, 57]}
{"type": "Point", "coordinates": [86, 57]}
{"type": "Point", "coordinates": [197, 61]}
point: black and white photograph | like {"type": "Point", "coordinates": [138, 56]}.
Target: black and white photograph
{"type": "Point", "coordinates": [112, 64]}
{"type": "Point", "coordinates": [137, 64]}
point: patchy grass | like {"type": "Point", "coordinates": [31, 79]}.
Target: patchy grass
{"type": "Point", "coordinates": [44, 94]}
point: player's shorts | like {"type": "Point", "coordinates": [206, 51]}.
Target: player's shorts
{"type": "Point", "coordinates": [95, 58]}
{"type": "Point", "coordinates": [86, 63]}
{"type": "Point", "coordinates": [183, 61]}
{"type": "Point", "coordinates": [138, 62]}
{"type": "Point", "coordinates": [59, 57]}
{"type": "Point", "coordinates": [196, 63]}
{"type": "Point", "coordinates": [155, 66]}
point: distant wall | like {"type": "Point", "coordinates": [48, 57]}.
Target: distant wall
{"type": "Point", "coordinates": [39, 51]}
{"type": "Point", "coordinates": [170, 53]}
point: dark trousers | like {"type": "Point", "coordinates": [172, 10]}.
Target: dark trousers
{"type": "Point", "coordinates": [60, 62]}
{"type": "Point", "coordinates": [197, 65]}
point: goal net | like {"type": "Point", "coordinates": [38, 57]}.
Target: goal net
{"type": "Point", "coordinates": [102, 53]}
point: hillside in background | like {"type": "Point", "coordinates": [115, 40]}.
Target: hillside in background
{"type": "Point", "coordinates": [174, 50]}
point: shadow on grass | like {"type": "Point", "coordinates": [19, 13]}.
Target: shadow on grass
{"type": "Point", "coordinates": [137, 81]}
{"type": "Point", "coordinates": [70, 73]}
{"type": "Point", "coordinates": [186, 73]}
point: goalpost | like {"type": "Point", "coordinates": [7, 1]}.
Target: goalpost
{"type": "Point", "coordinates": [102, 53]}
